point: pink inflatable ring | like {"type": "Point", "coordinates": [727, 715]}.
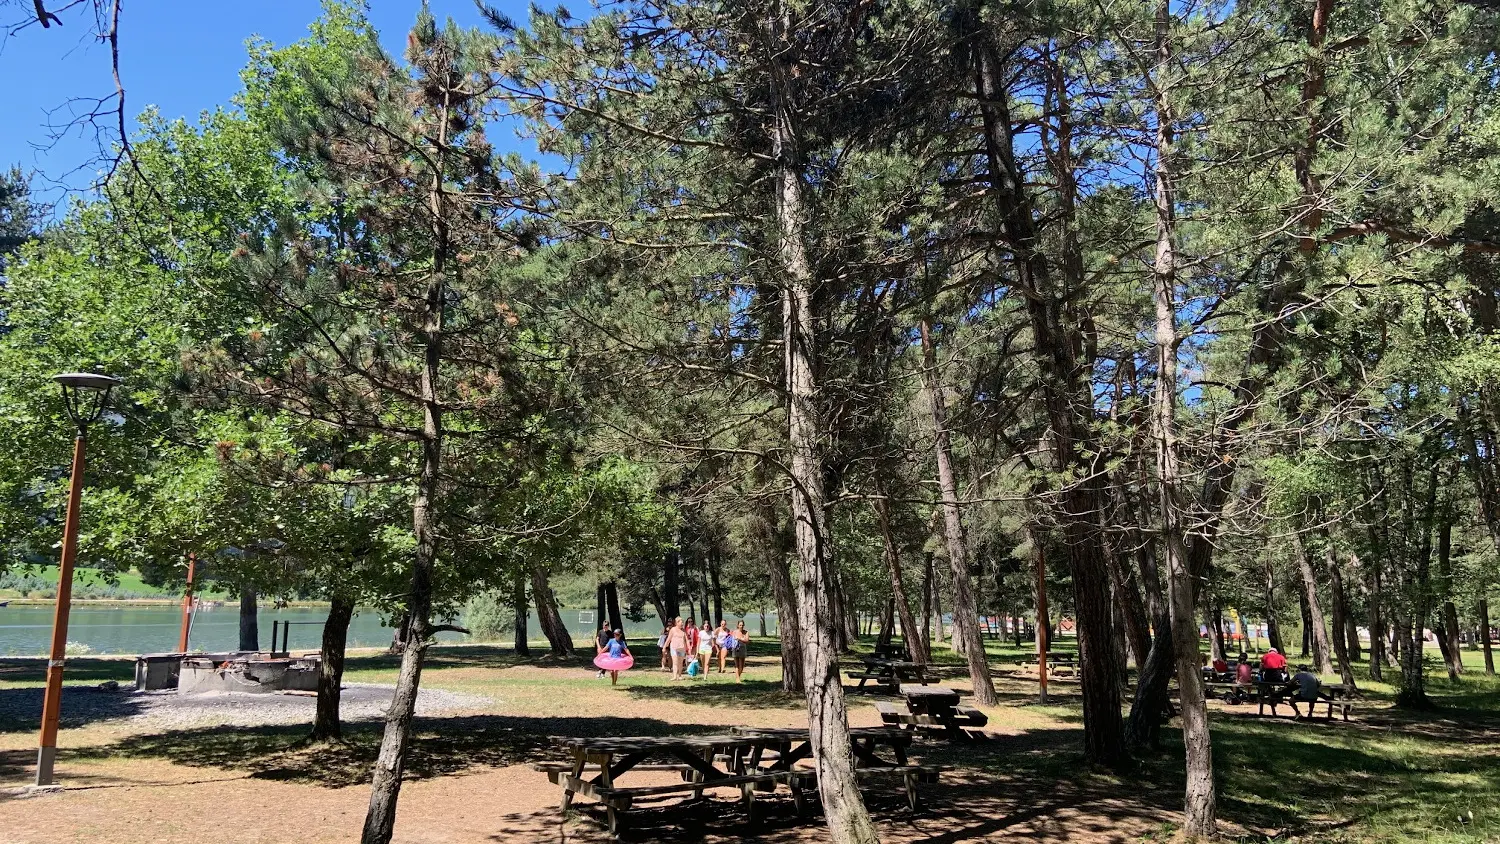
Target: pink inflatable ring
{"type": "Point", "coordinates": [605, 662]}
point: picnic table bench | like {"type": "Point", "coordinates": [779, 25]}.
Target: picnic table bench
{"type": "Point", "coordinates": [696, 758]}
{"type": "Point", "coordinates": [932, 708]}
{"type": "Point", "coordinates": [887, 674]}
{"type": "Point", "coordinates": [1276, 693]}
{"type": "Point", "coordinates": [793, 745]}
{"type": "Point", "coordinates": [1056, 662]}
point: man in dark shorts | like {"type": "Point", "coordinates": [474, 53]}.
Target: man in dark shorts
{"type": "Point", "coordinates": [601, 642]}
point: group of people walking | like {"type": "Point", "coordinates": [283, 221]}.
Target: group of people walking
{"type": "Point", "coordinates": [688, 650]}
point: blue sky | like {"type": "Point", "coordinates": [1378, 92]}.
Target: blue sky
{"type": "Point", "coordinates": [184, 56]}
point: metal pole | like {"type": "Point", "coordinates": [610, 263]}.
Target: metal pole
{"type": "Point", "coordinates": [52, 700]}
{"type": "Point", "coordinates": [187, 605]}
{"type": "Point", "coordinates": [1041, 619]}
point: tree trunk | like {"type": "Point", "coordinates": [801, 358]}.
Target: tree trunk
{"type": "Point", "coordinates": [519, 609]}
{"type": "Point", "coordinates": [1448, 635]}
{"type": "Point", "coordinates": [1131, 609]}
{"type": "Point", "coordinates": [1412, 693]}
{"type": "Point", "coordinates": [703, 589]}
{"type": "Point", "coordinates": [965, 609]}
{"type": "Point", "coordinates": [764, 611]}
{"type": "Point", "coordinates": [249, 620]}
{"type": "Point", "coordinates": [669, 592]}
{"type": "Point", "coordinates": [788, 625]}
{"type": "Point", "coordinates": [326, 723]}
{"type": "Point", "coordinates": [1273, 626]}
{"type": "Point", "coordinates": [939, 632]}
{"type": "Point", "coordinates": [1066, 396]}
{"type": "Point", "coordinates": [547, 615]}
{"type": "Point", "coordinates": [887, 623]}
{"type": "Point", "coordinates": [927, 593]}
{"type": "Point", "coordinates": [910, 632]}
{"type": "Point", "coordinates": [1316, 626]}
{"type": "Point", "coordinates": [1340, 615]}
{"type": "Point", "coordinates": [1484, 636]}
{"type": "Point", "coordinates": [1152, 691]}
{"type": "Point", "coordinates": [385, 785]}
{"type": "Point", "coordinates": [1213, 619]}
{"type": "Point", "coordinates": [612, 606]}
{"type": "Point", "coordinates": [713, 573]}
{"type": "Point", "coordinates": [1307, 624]}
{"type": "Point", "coordinates": [828, 724]}
{"type": "Point", "coordinates": [1377, 626]}
{"type": "Point", "coordinates": [1200, 807]}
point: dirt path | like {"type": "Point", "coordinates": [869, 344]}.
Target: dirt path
{"type": "Point", "coordinates": [127, 780]}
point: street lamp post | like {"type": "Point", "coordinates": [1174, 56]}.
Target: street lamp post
{"type": "Point", "coordinates": [84, 395]}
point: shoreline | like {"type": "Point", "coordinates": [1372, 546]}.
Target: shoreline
{"type": "Point", "coordinates": [147, 602]}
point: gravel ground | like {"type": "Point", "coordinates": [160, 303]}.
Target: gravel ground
{"type": "Point", "coordinates": [168, 710]}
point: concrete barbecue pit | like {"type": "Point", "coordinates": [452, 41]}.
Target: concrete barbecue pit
{"type": "Point", "coordinates": [251, 673]}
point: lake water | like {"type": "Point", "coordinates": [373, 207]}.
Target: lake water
{"type": "Point", "coordinates": [26, 630]}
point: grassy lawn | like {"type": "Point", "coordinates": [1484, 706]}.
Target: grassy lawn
{"type": "Point", "coordinates": [1385, 776]}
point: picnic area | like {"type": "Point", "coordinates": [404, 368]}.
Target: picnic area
{"type": "Point", "coordinates": [484, 767]}
{"type": "Point", "coordinates": [844, 422]}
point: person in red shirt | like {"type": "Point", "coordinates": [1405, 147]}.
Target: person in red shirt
{"type": "Point", "coordinates": [1220, 666]}
{"type": "Point", "coordinates": [1273, 667]}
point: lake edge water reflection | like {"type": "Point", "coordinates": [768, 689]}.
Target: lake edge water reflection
{"type": "Point", "coordinates": [122, 627]}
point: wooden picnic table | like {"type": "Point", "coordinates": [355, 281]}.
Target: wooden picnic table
{"type": "Point", "coordinates": [794, 744]}
{"type": "Point", "coordinates": [887, 674]}
{"type": "Point", "coordinates": [703, 762]}
{"type": "Point", "coordinates": [1057, 661]}
{"type": "Point", "coordinates": [934, 708]}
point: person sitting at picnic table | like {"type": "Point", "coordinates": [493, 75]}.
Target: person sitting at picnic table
{"type": "Point", "coordinates": [1308, 684]}
{"type": "Point", "coordinates": [1220, 666]}
{"type": "Point", "coordinates": [1243, 674]}
{"type": "Point", "coordinates": [1273, 667]}
{"type": "Point", "coordinates": [739, 646]}
{"type": "Point", "coordinates": [677, 643]}
{"type": "Point", "coordinates": [721, 643]}
{"type": "Point", "coordinates": [601, 642]}
{"type": "Point", "coordinates": [617, 648]}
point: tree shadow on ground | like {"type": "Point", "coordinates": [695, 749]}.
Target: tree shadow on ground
{"type": "Point", "coordinates": [440, 746]}
{"type": "Point", "coordinates": [750, 694]}
{"type": "Point", "coordinates": [79, 670]}
{"type": "Point", "coordinates": [21, 708]}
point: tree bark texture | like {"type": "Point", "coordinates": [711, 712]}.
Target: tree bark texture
{"type": "Point", "coordinates": [965, 609]}
{"type": "Point", "coordinates": [910, 632]}
{"type": "Point", "coordinates": [1484, 636]}
{"type": "Point", "coordinates": [1340, 615]}
{"type": "Point", "coordinates": [828, 725]}
{"type": "Point", "coordinates": [1200, 806]}
{"type": "Point", "coordinates": [249, 620]}
{"type": "Point", "coordinates": [385, 785]}
{"type": "Point", "coordinates": [547, 616]}
{"type": "Point", "coordinates": [1317, 627]}
{"type": "Point", "coordinates": [326, 722]}
{"type": "Point", "coordinates": [520, 610]}
{"type": "Point", "coordinates": [1448, 634]}
{"type": "Point", "coordinates": [1068, 402]}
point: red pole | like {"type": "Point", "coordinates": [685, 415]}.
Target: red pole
{"type": "Point", "coordinates": [52, 700]}
{"type": "Point", "coordinates": [1041, 620]}
{"type": "Point", "coordinates": [187, 605]}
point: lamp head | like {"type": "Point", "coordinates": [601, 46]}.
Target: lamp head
{"type": "Point", "coordinates": [86, 381]}
{"type": "Point", "coordinates": [85, 395]}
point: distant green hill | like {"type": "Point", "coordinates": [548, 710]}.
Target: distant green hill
{"type": "Point", "coordinates": [41, 582]}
